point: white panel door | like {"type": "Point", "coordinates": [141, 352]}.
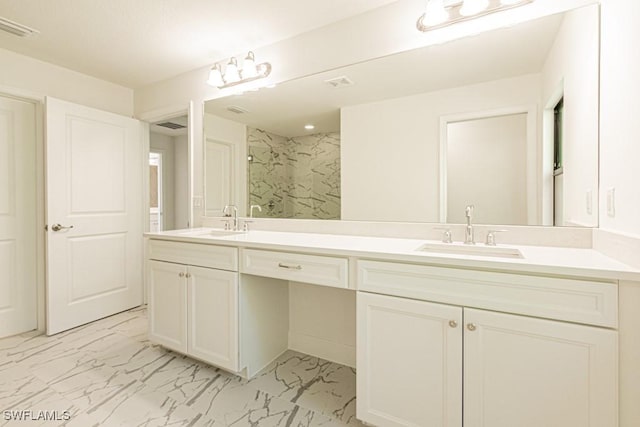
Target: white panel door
{"type": "Point", "coordinates": [220, 158]}
{"type": "Point", "coordinates": [168, 304]}
{"type": "Point", "coordinates": [409, 361]}
{"type": "Point", "coordinates": [18, 312]}
{"type": "Point", "coordinates": [95, 185]}
{"type": "Point", "coordinates": [213, 316]}
{"type": "Point", "coordinates": [526, 372]}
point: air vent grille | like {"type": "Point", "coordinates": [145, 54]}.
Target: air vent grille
{"type": "Point", "coordinates": [339, 82]}
{"type": "Point", "coordinates": [237, 110]}
{"type": "Point", "coordinates": [171, 125]}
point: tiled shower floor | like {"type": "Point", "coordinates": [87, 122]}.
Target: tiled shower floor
{"type": "Point", "coordinates": [108, 374]}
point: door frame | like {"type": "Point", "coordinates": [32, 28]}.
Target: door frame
{"type": "Point", "coordinates": [38, 101]}
{"type": "Point", "coordinates": [163, 114]}
{"type": "Point", "coordinates": [146, 118]}
{"type": "Point", "coordinates": [160, 189]}
{"type": "Point", "coordinates": [533, 177]}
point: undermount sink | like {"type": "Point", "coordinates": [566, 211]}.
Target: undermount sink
{"type": "Point", "coordinates": [210, 232]}
{"type": "Point", "coordinates": [222, 233]}
{"type": "Point", "coordinates": [491, 251]}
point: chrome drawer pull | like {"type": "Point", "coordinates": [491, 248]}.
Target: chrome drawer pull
{"type": "Point", "coordinates": [290, 267]}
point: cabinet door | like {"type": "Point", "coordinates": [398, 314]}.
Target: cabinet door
{"type": "Point", "coordinates": [213, 316]}
{"type": "Point", "coordinates": [409, 360]}
{"type": "Point", "coordinates": [168, 305]}
{"type": "Point", "coordinates": [528, 372]}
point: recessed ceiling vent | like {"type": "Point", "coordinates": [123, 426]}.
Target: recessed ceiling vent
{"type": "Point", "coordinates": [237, 110]}
{"type": "Point", "coordinates": [16, 29]}
{"type": "Point", "coordinates": [171, 125]}
{"type": "Point", "coordinates": [339, 82]}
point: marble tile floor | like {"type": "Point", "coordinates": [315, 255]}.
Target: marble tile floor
{"type": "Point", "coordinates": [107, 373]}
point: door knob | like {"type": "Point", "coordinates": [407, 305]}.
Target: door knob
{"type": "Point", "coordinates": [58, 227]}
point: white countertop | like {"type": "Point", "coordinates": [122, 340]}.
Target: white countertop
{"type": "Point", "coordinates": [536, 259]}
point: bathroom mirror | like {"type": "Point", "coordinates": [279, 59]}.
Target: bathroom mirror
{"type": "Point", "coordinates": [506, 120]}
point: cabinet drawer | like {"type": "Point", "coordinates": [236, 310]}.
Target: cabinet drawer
{"type": "Point", "coordinates": [319, 270]}
{"type": "Point", "coordinates": [573, 300]}
{"type": "Point", "coordinates": [220, 257]}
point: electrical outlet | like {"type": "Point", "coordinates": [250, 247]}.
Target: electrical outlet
{"type": "Point", "coordinates": [611, 202]}
{"type": "Point", "coordinates": [197, 202]}
{"type": "Point", "coordinates": [589, 200]}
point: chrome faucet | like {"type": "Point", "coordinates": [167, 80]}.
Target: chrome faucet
{"type": "Point", "coordinates": [468, 231]}
{"type": "Point", "coordinates": [226, 212]}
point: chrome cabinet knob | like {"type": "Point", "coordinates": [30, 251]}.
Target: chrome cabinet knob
{"type": "Point", "coordinates": [471, 327]}
{"type": "Point", "coordinates": [453, 323]}
{"type": "Point", "coordinates": [181, 274]}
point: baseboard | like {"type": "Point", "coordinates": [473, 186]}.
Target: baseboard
{"type": "Point", "coordinates": [328, 350]}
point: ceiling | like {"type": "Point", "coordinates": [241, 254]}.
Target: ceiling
{"type": "Point", "coordinates": [493, 55]}
{"type": "Point", "coordinates": [138, 42]}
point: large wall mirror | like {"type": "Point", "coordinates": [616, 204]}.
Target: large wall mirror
{"type": "Point", "coordinates": [506, 120]}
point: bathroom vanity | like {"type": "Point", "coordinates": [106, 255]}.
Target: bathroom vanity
{"type": "Point", "coordinates": [524, 336]}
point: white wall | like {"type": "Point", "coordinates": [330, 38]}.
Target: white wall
{"type": "Point", "coordinates": [572, 67]}
{"type": "Point", "coordinates": [487, 168]}
{"type": "Point", "coordinates": [181, 180]}
{"type": "Point", "coordinates": [620, 113]}
{"type": "Point", "coordinates": [390, 149]}
{"type": "Point", "coordinates": [322, 322]}
{"type": "Point", "coordinates": [37, 79]}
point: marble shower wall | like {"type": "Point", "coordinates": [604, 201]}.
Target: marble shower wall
{"type": "Point", "coordinates": [295, 177]}
{"type": "Point", "coordinates": [268, 176]}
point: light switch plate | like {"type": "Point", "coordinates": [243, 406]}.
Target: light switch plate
{"type": "Point", "coordinates": [611, 202]}
{"type": "Point", "coordinates": [197, 202]}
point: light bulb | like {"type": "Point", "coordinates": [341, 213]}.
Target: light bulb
{"type": "Point", "coordinates": [473, 7]}
{"type": "Point", "coordinates": [231, 74]}
{"type": "Point", "coordinates": [435, 14]}
{"type": "Point", "coordinates": [249, 67]}
{"type": "Point", "coordinates": [215, 76]}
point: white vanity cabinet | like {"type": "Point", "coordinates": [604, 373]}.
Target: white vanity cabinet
{"type": "Point", "coordinates": [456, 363]}
{"type": "Point", "coordinates": [193, 300]}
{"type": "Point", "coordinates": [409, 361]}
{"type": "Point", "coordinates": [528, 372]}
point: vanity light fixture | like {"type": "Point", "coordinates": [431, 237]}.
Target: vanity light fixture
{"type": "Point", "coordinates": [309, 127]}
{"type": "Point", "coordinates": [441, 13]}
{"type": "Point", "coordinates": [16, 29]}
{"type": "Point", "coordinates": [473, 7]}
{"type": "Point", "coordinates": [233, 75]}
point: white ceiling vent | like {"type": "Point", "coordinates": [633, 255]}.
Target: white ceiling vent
{"type": "Point", "coordinates": [339, 82]}
{"type": "Point", "coordinates": [16, 29]}
{"type": "Point", "coordinates": [237, 110]}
